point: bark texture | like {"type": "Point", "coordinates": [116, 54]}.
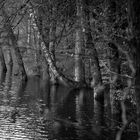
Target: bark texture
{"type": "Point", "coordinates": [79, 45]}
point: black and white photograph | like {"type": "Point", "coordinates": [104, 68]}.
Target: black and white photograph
{"type": "Point", "coordinates": [69, 69]}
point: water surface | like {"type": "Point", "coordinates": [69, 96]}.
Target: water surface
{"type": "Point", "coordinates": [37, 110]}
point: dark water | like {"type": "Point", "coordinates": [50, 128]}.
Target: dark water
{"type": "Point", "coordinates": [38, 111]}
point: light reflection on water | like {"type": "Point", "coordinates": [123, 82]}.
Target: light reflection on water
{"type": "Point", "coordinates": [38, 111]}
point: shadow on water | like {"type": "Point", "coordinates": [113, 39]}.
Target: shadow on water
{"type": "Point", "coordinates": [37, 110]}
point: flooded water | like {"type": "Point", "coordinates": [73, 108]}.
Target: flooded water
{"type": "Point", "coordinates": [37, 110]}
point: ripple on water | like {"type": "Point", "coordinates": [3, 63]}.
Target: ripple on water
{"type": "Point", "coordinates": [18, 116]}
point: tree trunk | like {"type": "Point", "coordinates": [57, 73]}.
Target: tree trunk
{"type": "Point", "coordinates": [28, 28]}
{"type": "Point", "coordinates": [134, 17]}
{"type": "Point", "coordinates": [51, 64]}
{"type": "Point", "coordinates": [14, 44]}
{"type": "Point", "coordinates": [49, 37]}
{"type": "Point", "coordinates": [96, 78]}
{"type": "Point", "coordinates": [9, 57]}
{"type": "Point", "coordinates": [5, 53]}
{"type": "Point", "coordinates": [52, 44]}
{"type": "Point", "coordinates": [2, 61]}
{"type": "Point", "coordinates": [19, 61]}
{"type": "Point", "coordinates": [113, 60]}
{"type": "Point", "coordinates": [52, 39]}
{"type": "Point", "coordinates": [79, 46]}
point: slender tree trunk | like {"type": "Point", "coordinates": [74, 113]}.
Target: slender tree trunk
{"type": "Point", "coordinates": [9, 57]}
{"type": "Point", "coordinates": [14, 44]}
{"type": "Point", "coordinates": [37, 55]}
{"type": "Point", "coordinates": [18, 57]}
{"type": "Point", "coordinates": [79, 46]}
{"type": "Point", "coordinates": [3, 68]}
{"type": "Point", "coordinates": [2, 61]}
{"type": "Point", "coordinates": [5, 53]}
{"type": "Point", "coordinates": [28, 28]}
{"type": "Point", "coordinates": [134, 17]}
{"type": "Point", "coordinates": [39, 23]}
{"type": "Point", "coordinates": [2, 77]}
{"type": "Point", "coordinates": [96, 78]}
{"type": "Point", "coordinates": [52, 45]}
{"type": "Point", "coordinates": [52, 39]}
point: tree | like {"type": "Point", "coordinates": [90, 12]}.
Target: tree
{"type": "Point", "coordinates": [114, 58]}
{"type": "Point", "coordinates": [91, 52]}
{"type": "Point", "coordinates": [2, 60]}
{"type": "Point", "coordinates": [46, 42]}
{"type": "Point", "coordinates": [13, 42]}
{"type": "Point", "coordinates": [52, 33]}
{"type": "Point", "coordinates": [134, 18]}
{"type": "Point", "coordinates": [79, 44]}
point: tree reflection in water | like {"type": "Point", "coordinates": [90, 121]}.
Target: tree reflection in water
{"type": "Point", "coordinates": [38, 110]}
